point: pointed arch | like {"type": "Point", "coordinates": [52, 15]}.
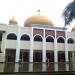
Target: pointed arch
{"type": "Point", "coordinates": [38, 38]}
{"type": "Point", "coordinates": [60, 40]}
{"type": "Point", "coordinates": [49, 39]}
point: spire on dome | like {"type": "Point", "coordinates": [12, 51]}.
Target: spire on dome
{"type": "Point", "coordinates": [38, 12]}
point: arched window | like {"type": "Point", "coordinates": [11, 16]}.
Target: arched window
{"type": "Point", "coordinates": [25, 37]}
{"type": "Point", "coordinates": [12, 36]}
{"type": "Point", "coordinates": [0, 42]}
{"type": "Point", "coordinates": [70, 40]}
{"type": "Point", "coordinates": [0, 37]}
{"type": "Point", "coordinates": [60, 40]}
{"type": "Point", "coordinates": [37, 38]}
{"type": "Point", "coordinates": [49, 39]}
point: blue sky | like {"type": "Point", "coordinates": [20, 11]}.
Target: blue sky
{"type": "Point", "coordinates": [22, 9]}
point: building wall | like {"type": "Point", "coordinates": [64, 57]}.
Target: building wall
{"type": "Point", "coordinates": [25, 45]}
{"type": "Point", "coordinates": [61, 47]}
{"type": "Point", "coordinates": [3, 27]}
{"type": "Point", "coordinates": [37, 45]}
{"type": "Point", "coordinates": [12, 29]}
{"type": "Point", "coordinates": [71, 47]}
{"type": "Point", "coordinates": [71, 35]}
{"type": "Point", "coordinates": [25, 30]}
{"type": "Point", "coordinates": [50, 46]}
{"type": "Point", "coordinates": [11, 44]}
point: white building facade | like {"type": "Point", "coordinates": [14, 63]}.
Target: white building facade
{"type": "Point", "coordinates": [38, 46]}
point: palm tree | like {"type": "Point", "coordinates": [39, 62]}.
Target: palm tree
{"type": "Point", "coordinates": [69, 13]}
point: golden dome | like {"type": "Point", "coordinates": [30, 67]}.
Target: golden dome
{"type": "Point", "coordinates": [38, 19]}
{"type": "Point", "coordinates": [13, 21]}
{"type": "Point", "coordinates": [73, 29]}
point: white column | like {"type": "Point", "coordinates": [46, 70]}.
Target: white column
{"type": "Point", "coordinates": [2, 55]}
{"type": "Point", "coordinates": [55, 54]}
{"type": "Point", "coordinates": [30, 67]}
{"type": "Point", "coordinates": [44, 47]}
{"type": "Point", "coordinates": [3, 46]}
{"type": "Point", "coordinates": [18, 45]}
{"type": "Point", "coordinates": [3, 43]}
{"type": "Point", "coordinates": [44, 52]}
{"type": "Point", "coordinates": [66, 52]}
{"type": "Point", "coordinates": [17, 50]}
{"type": "Point", "coordinates": [31, 47]}
{"type": "Point", "coordinates": [31, 52]}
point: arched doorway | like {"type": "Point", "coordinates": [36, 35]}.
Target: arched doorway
{"type": "Point", "coordinates": [37, 54]}
{"type": "Point", "coordinates": [50, 53]}
{"type": "Point", "coordinates": [71, 54]}
{"type": "Point", "coordinates": [24, 54]}
{"type": "Point", "coordinates": [61, 54]}
{"type": "Point", "coordinates": [10, 54]}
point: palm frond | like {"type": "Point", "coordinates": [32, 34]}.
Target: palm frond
{"type": "Point", "coordinates": [69, 13]}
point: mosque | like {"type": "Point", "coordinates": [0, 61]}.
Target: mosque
{"type": "Point", "coordinates": [37, 46]}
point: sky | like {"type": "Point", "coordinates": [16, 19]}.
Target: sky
{"type": "Point", "coordinates": [22, 9]}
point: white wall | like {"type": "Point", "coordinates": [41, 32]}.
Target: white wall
{"type": "Point", "coordinates": [38, 45]}
{"type": "Point", "coordinates": [25, 45]}
{"type": "Point", "coordinates": [61, 46]}
{"type": "Point", "coordinates": [49, 46]}
{"type": "Point", "coordinates": [71, 47]}
{"type": "Point", "coordinates": [11, 44]}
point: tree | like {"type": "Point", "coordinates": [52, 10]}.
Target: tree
{"type": "Point", "coordinates": [69, 13]}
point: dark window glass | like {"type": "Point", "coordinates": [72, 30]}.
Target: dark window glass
{"type": "Point", "coordinates": [0, 37]}
{"type": "Point", "coordinates": [37, 38]}
{"type": "Point", "coordinates": [70, 41]}
{"type": "Point", "coordinates": [60, 40]}
{"type": "Point", "coordinates": [12, 36]}
{"type": "Point", "coordinates": [49, 39]}
{"type": "Point", "coordinates": [25, 37]}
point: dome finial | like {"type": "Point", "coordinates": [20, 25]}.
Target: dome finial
{"type": "Point", "coordinates": [38, 12]}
